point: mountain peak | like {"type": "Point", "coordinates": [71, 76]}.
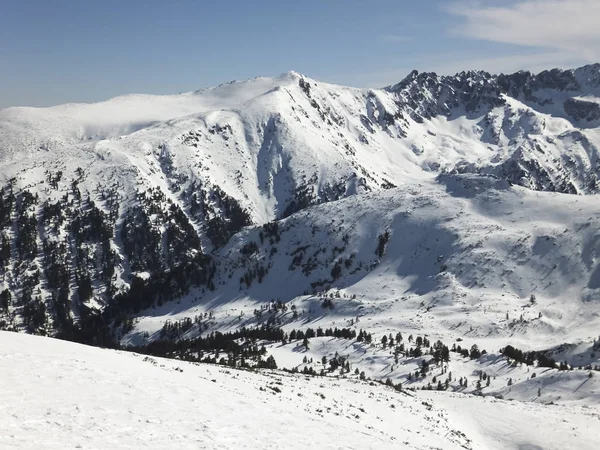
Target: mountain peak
{"type": "Point", "coordinates": [292, 74]}
{"type": "Point", "coordinates": [187, 175]}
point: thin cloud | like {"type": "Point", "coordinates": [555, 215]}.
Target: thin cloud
{"type": "Point", "coordinates": [566, 25]}
{"type": "Point", "coordinates": [452, 63]}
{"type": "Point", "coordinates": [534, 62]}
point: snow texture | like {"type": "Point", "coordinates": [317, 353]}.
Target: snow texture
{"type": "Point", "coordinates": [60, 395]}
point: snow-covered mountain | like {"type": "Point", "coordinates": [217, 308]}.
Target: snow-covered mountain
{"type": "Point", "coordinates": [442, 207]}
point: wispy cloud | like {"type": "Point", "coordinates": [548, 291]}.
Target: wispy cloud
{"type": "Point", "coordinates": [534, 62]}
{"type": "Point", "coordinates": [546, 34]}
{"type": "Point", "coordinates": [451, 63]}
{"type": "Point", "coordinates": [564, 25]}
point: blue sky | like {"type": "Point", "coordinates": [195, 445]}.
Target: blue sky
{"type": "Point", "coordinates": [57, 51]}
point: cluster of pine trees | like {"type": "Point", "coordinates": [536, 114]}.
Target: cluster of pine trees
{"type": "Point", "coordinates": [529, 358]}
{"type": "Point", "coordinates": [241, 347]}
{"type": "Point", "coordinates": [72, 239]}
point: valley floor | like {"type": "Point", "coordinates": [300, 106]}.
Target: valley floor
{"type": "Point", "coordinates": [59, 395]}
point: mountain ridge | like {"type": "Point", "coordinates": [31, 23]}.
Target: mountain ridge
{"type": "Point", "coordinates": [112, 213]}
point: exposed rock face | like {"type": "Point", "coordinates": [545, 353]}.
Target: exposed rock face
{"type": "Point", "coordinates": [582, 110]}
{"type": "Point", "coordinates": [514, 112]}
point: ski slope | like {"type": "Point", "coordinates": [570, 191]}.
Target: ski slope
{"type": "Point", "coordinates": [60, 395]}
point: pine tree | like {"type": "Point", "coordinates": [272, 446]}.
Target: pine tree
{"type": "Point", "coordinates": [424, 367]}
{"type": "Point", "coordinates": [5, 299]}
{"type": "Point", "coordinates": [271, 364]}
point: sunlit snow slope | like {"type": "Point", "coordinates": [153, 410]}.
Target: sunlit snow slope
{"type": "Point", "coordinates": [59, 395]}
{"type": "Point", "coordinates": [461, 207]}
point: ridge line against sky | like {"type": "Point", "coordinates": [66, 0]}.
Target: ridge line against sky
{"type": "Point", "coordinates": [70, 51]}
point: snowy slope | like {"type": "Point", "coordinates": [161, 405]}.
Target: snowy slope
{"type": "Point", "coordinates": [507, 380]}
{"type": "Point", "coordinates": [463, 252]}
{"type": "Point", "coordinates": [63, 395]}
{"type": "Point", "coordinates": [463, 259]}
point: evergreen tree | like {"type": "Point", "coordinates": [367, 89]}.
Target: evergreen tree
{"type": "Point", "coordinates": [424, 367]}
{"type": "Point", "coordinates": [271, 364]}
{"type": "Point", "coordinates": [5, 299]}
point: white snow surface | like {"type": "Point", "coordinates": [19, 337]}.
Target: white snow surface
{"type": "Point", "coordinates": [61, 395]}
{"type": "Point", "coordinates": [464, 257]}
{"type": "Point", "coordinates": [466, 252]}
